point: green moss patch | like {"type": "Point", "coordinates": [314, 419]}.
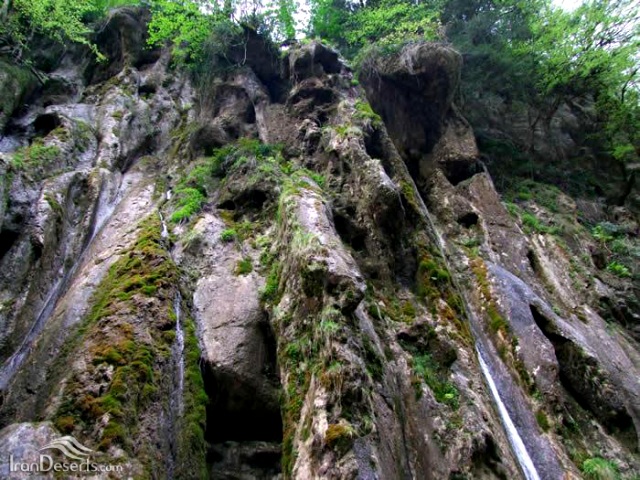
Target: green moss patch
{"type": "Point", "coordinates": [36, 159]}
{"type": "Point", "coordinates": [127, 339]}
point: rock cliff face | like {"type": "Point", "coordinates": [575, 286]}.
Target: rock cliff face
{"type": "Point", "coordinates": [284, 274]}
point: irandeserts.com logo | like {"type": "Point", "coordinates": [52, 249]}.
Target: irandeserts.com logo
{"type": "Point", "coordinates": [78, 459]}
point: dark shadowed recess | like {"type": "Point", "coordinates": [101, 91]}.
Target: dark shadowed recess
{"type": "Point", "coordinates": [244, 425]}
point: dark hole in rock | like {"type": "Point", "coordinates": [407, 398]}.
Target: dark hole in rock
{"type": "Point", "coordinates": [547, 328]}
{"type": "Point", "coordinates": [324, 96]}
{"type": "Point", "coordinates": [45, 124]}
{"type": "Point", "coordinates": [250, 114]}
{"type": "Point", "coordinates": [322, 117]}
{"type": "Point", "coordinates": [373, 144]}
{"type": "Point", "coordinates": [265, 459]}
{"type": "Point", "coordinates": [457, 172]}
{"type": "Point", "coordinates": [227, 205]}
{"type": "Point", "coordinates": [244, 425]}
{"type": "Point", "coordinates": [599, 258]}
{"type": "Point", "coordinates": [533, 261]}
{"type": "Point", "coordinates": [622, 310]}
{"type": "Point", "coordinates": [329, 60]}
{"type": "Point", "coordinates": [56, 91]}
{"type": "Point", "coordinates": [248, 460]}
{"type": "Point", "coordinates": [251, 199]}
{"type": "Point", "coordinates": [579, 375]}
{"type": "Point", "coordinates": [278, 89]}
{"type": "Point", "coordinates": [237, 412]}
{"type": "Point", "coordinates": [144, 149]}
{"type": "Point", "coordinates": [312, 94]}
{"type": "Point", "coordinates": [7, 239]}
{"type": "Point", "coordinates": [468, 220]}
{"type": "Point", "coordinates": [346, 168]}
{"type": "Point", "coordinates": [375, 148]}
{"type": "Point", "coordinates": [271, 351]}
{"type": "Point", "coordinates": [206, 140]}
{"type": "Point", "coordinates": [209, 150]}
{"type": "Point", "coordinates": [147, 89]}
{"type": "Point", "coordinates": [486, 461]}
{"type": "Point", "coordinates": [350, 233]}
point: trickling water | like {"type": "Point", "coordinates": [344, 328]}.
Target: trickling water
{"type": "Point", "coordinates": [515, 438]}
{"type": "Point", "coordinates": [519, 449]}
{"type": "Point", "coordinates": [12, 364]}
{"type": "Point", "coordinates": [165, 231]}
{"type": "Point", "coordinates": [176, 404]}
{"type": "Point", "coordinates": [103, 211]}
{"type": "Point", "coordinates": [178, 352]}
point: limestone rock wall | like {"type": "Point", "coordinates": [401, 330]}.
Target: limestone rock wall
{"type": "Point", "coordinates": [267, 276]}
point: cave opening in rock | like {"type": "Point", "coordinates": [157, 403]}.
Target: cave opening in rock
{"type": "Point", "coordinates": [468, 220]}
{"type": "Point", "coordinates": [147, 89]}
{"type": "Point", "coordinates": [237, 412]}
{"type": "Point", "coordinates": [244, 424]}
{"type": "Point", "coordinates": [349, 232]}
{"type": "Point", "coordinates": [7, 239]}
{"type": "Point", "coordinates": [487, 462]}
{"type": "Point", "coordinates": [533, 263]}
{"type": "Point", "coordinates": [45, 124]}
{"type": "Point", "coordinates": [458, 172]}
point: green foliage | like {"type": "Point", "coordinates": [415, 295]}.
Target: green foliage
{"type": "Point", "coordinates": [203, 33]}
{"type": "Point", "coordinates": [228, 235]}
{"type": "Point", "coordinates": [543, 420]}
{"type": "Point", "coordinates": [365, 112]}
{"type": "Point", "coordinates": [512, 208]}
{"type": "Point", "coordinates": [600, 469]}
{"type": "Point", "coordinates": [619, 269]}
{"type": "Point", "coordinates": [391, 22]}
{"type": "Point", "coordinates": [605, 232]}
{"type": "Point", "coordinates": [59, 20]}
{"type": "Point", "coordinates": [201, 180]}
{"type": "Point", "coordinates": [269, 293]}
{"type": "Point", "coordinates": [425, 368]}
{"type": "Point", "coordinates": [340, 436]}
{"type": "Point", "coordinates": [189, 202]}
{"type": "Point", "coordinates": [244, 267]}
{"type": "Point", "coordinates": [37, 156]}
{"type": "Point", "coordinates": [593, 49]}
{"type": "Point", "coordinates": [533, 224]}
{"type": "Point", "coordinates": [318, 178]}
{"type": "Point", "coordinates": [432, 279]}
{"type": "Point", "coordinates": [286, 10]}
{"type": "Point", "coordinates": [497, 322]}
{"type": "Point", "coordinates": [189, 28]}
{"type": "Point", "coordinates": [386, 22]}
{"type": "Point", "coordinates": [192, 440]}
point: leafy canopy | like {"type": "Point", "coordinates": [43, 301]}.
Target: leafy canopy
{"type": "Point", "coordinates": [186, 24]}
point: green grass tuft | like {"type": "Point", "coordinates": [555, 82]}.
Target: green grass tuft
{"type": "Point", "coordinates": [600, 469]}
{"type": "Point", "coordinates": [228, 235]}
{"type": "Point", "coordinates": [244, 267]}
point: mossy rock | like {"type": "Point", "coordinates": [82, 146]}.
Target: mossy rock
{"type": "Point", "coordinates": [16, 83]}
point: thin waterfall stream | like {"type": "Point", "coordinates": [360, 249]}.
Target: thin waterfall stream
{"type": "Point", "coordinates": [493, 378]}
{"type": "Point", "coordinates": [178, 352]}
{"type": "Point", "coordinates": [176, 403]}
{"type": "Point", "coordinates": [519, 449]}
{"type": "Point", "coordinates": [102, 213]}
